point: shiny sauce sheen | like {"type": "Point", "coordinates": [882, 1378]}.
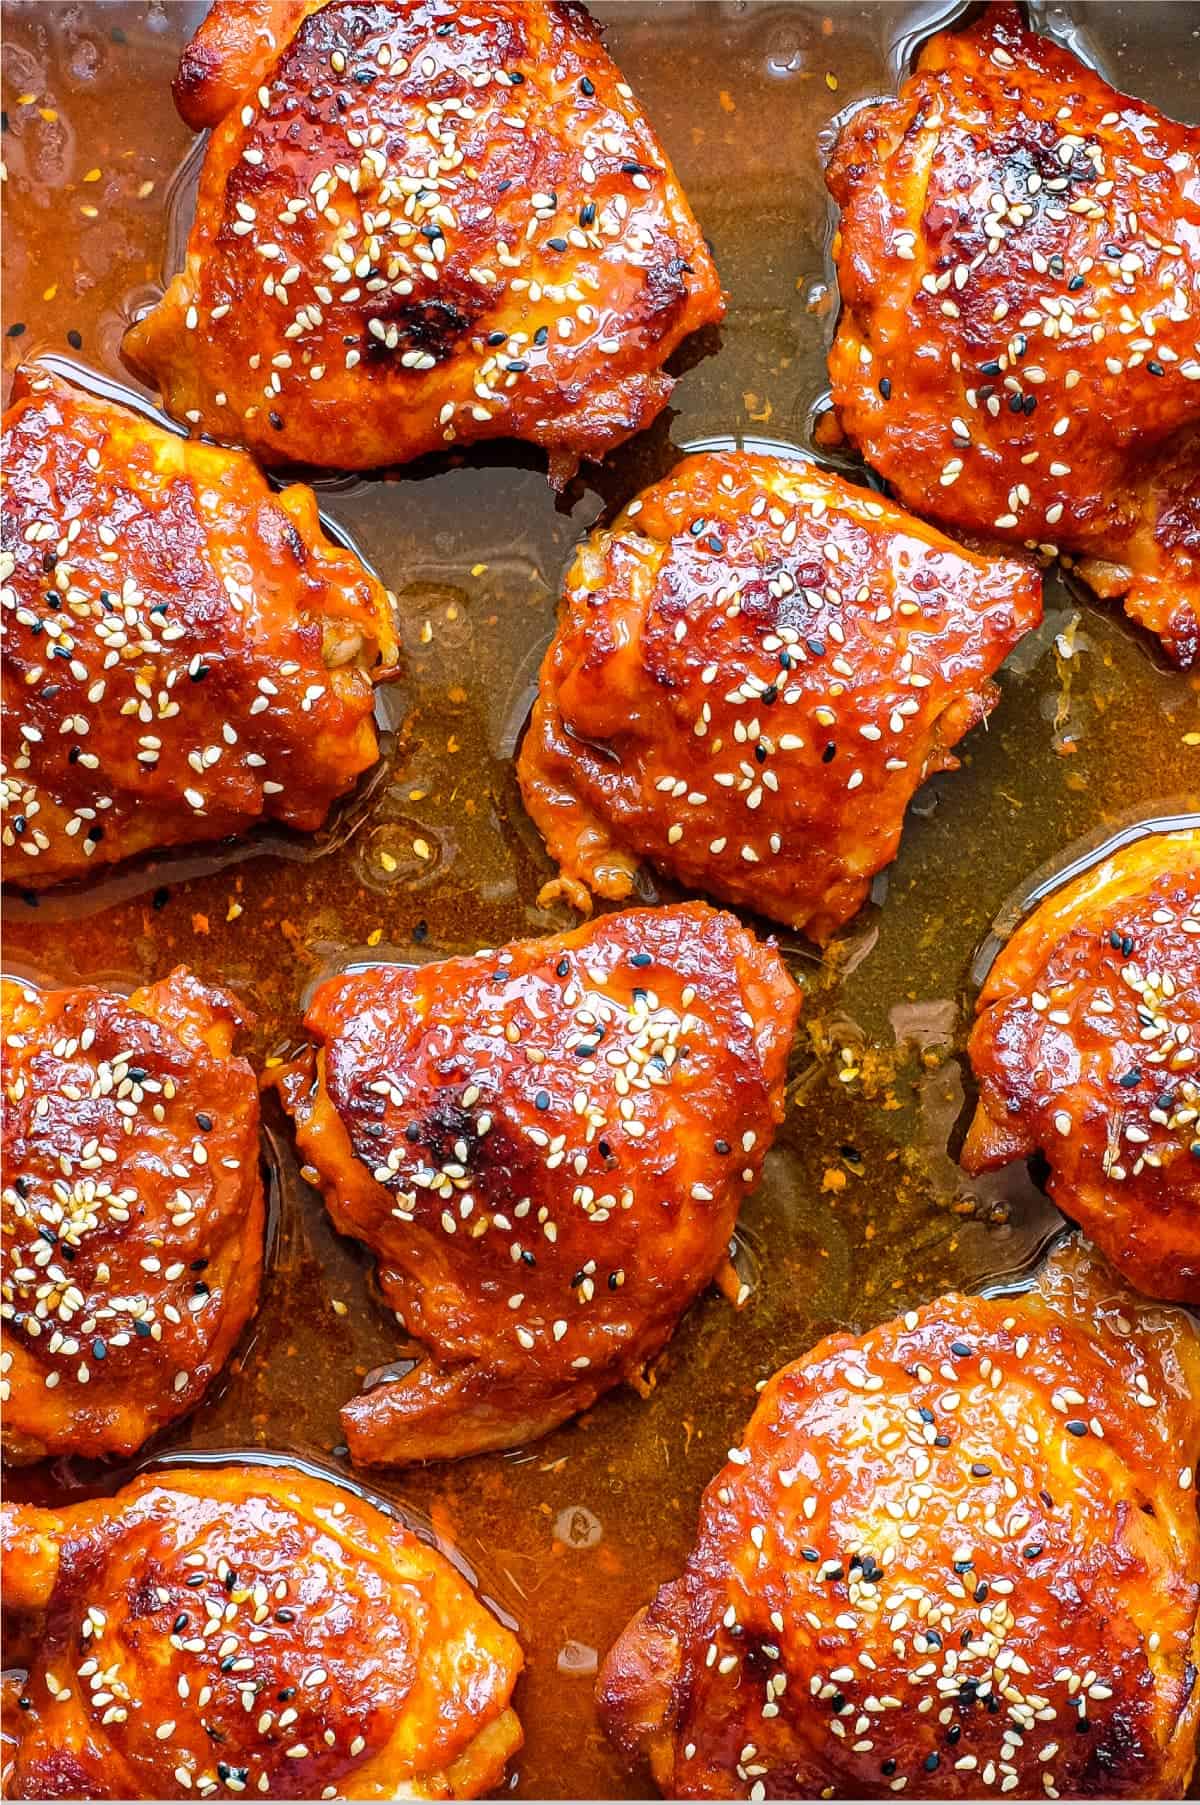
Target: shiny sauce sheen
{"type": "Point", "coordinates": [862, 1211]}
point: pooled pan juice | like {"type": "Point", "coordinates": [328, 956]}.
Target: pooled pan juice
{"type": "Point", "coordinates": [862, 1211]}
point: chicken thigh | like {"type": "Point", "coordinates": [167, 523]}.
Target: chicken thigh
{"type": "Point", "coordinates": [1087, 1046]}
{"type": "Point", "coordinates": [957, 1557]}
{"type": "Point", "coordinates": [250, 1630]}
{"type": "Point", "coordinates": [422, 223]}
{"type": "Point", "coordinates": [755, 667]}
{"type": "Point", "coordinates": [132, 1210]}
{"type": "Point", "coordinates": [1019, 346]}
{"type": "Point", "coordinates": [186, 653]}
{"type": "Point", "coordinates": [546, 1148]}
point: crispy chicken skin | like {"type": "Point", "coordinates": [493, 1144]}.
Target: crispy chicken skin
{"type": "Point", "coordinates": [185, 651]}
{"type": "Point", "coordinates": [422, 223]}
{"type": "Point", "coordinates": [132, 1210]}
{"type": "Point", "coordinates": [1087, 1046]}
{"type": "Point", "coordinates": [251, 1630]}
{"type": "Point", "coordinates": [957, 1557]}
{"type": "Point", "coordinates": [546, 1148]}
{"type": "Point", "coordinates": [755, 667]}
{"type": "Point", "coordinates": [1019, 346]}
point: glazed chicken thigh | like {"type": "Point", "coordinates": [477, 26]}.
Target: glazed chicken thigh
{"type": "Point", "coordinates": [185, 653]}
{"type": "Point", "coordinates": [1087, 1046]}
{"type": "Point", "coordinates": [755, 668]}
{"type": "Point", "coordinates": [1019, 346]}
{"type": "Point", "coordinates": [546, 1148]}
{"type": "Point", "coordinates": [250, 1630]}
{"type": "Point", "coordinates": [132, 1210]}
{"type": "Point", "coordinates": [422, 223]}
{"type": "Point", "coordinates": [957, 1557]}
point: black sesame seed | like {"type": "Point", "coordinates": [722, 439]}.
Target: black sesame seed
{"type": "Point", "coordinates": [586, 86]}
{"type": "Point", "coordinates": [542, 1101]}
{"type": "Point", "coordinates": [979, 1470]}
{"type": "Point", "coordinates": [587, 213]}
{"type": "Point", "coordinates": [99, 1349]}
{"type": "Point", "coordinates": [932, 1762]}
{"type": "Point", "coordinates": [275, 420]}
{"type": "Point", "coordinates": [1155, 368]}
{"type": "Point", "coordinates": [180, 1623]}
{"type": "Point", "coordinates": [541, 335]}
{"type": "Point", "coordinates": [1128, 1079]}
{"type": "Point", "coordinates": [1075, 1427]}
{"type": "Point", "coordinates": [75, 340]}
{"type": "Point", "coordinates": [885, 387]}
{"type": "Point", "coordinates": [204, 1121]}
{"type": "Point", "coordinates": [16, 329]}
{"type": "Point", "coordinates": [640, 959]}
{"type": "Point", "coordinates": [556, 244]}
{"type": "Point", "coordinates": [829, 754]}
{"type": "Point", "coordinates": [981, 1591]}
{"type": "Point", "coordinates": [888, 1766]}
{"type": "Point", "coordinates": [961, 1350]}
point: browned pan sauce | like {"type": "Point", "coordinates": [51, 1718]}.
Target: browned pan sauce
{"type": "Point", "coordinates": [862, 1211]}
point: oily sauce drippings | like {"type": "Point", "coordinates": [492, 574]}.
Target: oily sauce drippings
{"type": "Point", "coordinates": [862, 1211]}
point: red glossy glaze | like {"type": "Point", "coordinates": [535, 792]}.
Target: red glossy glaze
{"type": "Point", "coordinates": [251, 1631]}
{"type": "Point", "coordinates": [1019, 264]}
{"type": "Point", "coordinates": [1087, 1046]}
{"type": "Point", "coordinates": [755, 668]}
{"type": "Point", "coordinates": [546, 1147]}
{"type": "Point", "coordinates": [421, 224]}
{"type": "Point", "coordinates": [957, 1557]}
{"type": "Point", "coordinates": [185, 652]}
{"type": "Point", "coordinates": [132, 1210]}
